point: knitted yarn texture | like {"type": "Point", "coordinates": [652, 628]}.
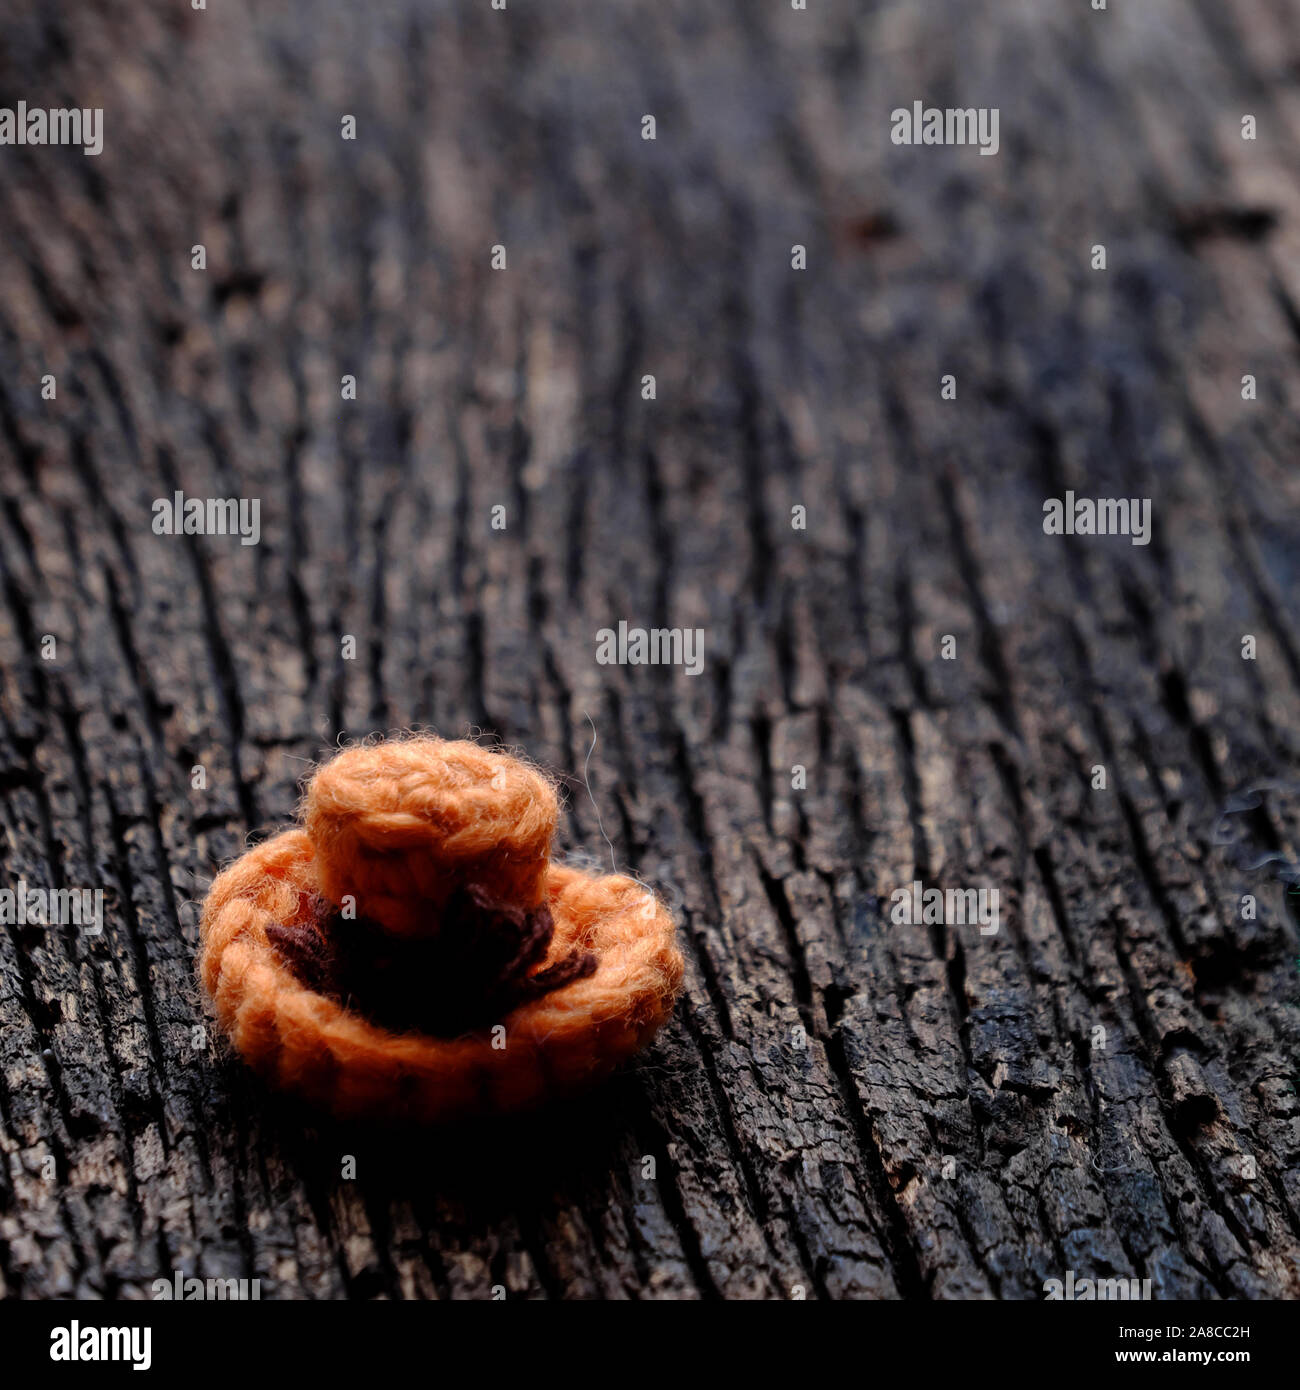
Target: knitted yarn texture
{"type": "Point", "coordinates": [365, 960]}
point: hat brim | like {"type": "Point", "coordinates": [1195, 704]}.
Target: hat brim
{"type": "Point", "coordinates": [314, 1047]}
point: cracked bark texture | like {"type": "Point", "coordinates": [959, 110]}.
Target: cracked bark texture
{"type": "Point", "coordinates": [841, 1107]}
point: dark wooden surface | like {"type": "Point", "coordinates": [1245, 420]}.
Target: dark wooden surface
{"type": "Point", "coordinates": [952, 1125]}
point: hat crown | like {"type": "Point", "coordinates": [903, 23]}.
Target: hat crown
{"type": "Point", "coordinates": [400, 826]}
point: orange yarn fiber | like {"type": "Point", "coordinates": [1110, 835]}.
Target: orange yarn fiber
{"type": "Point", "coordinates": [405, 828]}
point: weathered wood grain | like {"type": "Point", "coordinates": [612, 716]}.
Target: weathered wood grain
{"type": "Point", "coordinates": [842, 1107]}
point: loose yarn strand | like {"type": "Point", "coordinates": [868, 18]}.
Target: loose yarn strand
{"type": "Point", "coordinates": [586, 777]}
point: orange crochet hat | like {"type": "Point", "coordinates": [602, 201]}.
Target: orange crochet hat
{"type": "Point", "coordinates": [411, 951]}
